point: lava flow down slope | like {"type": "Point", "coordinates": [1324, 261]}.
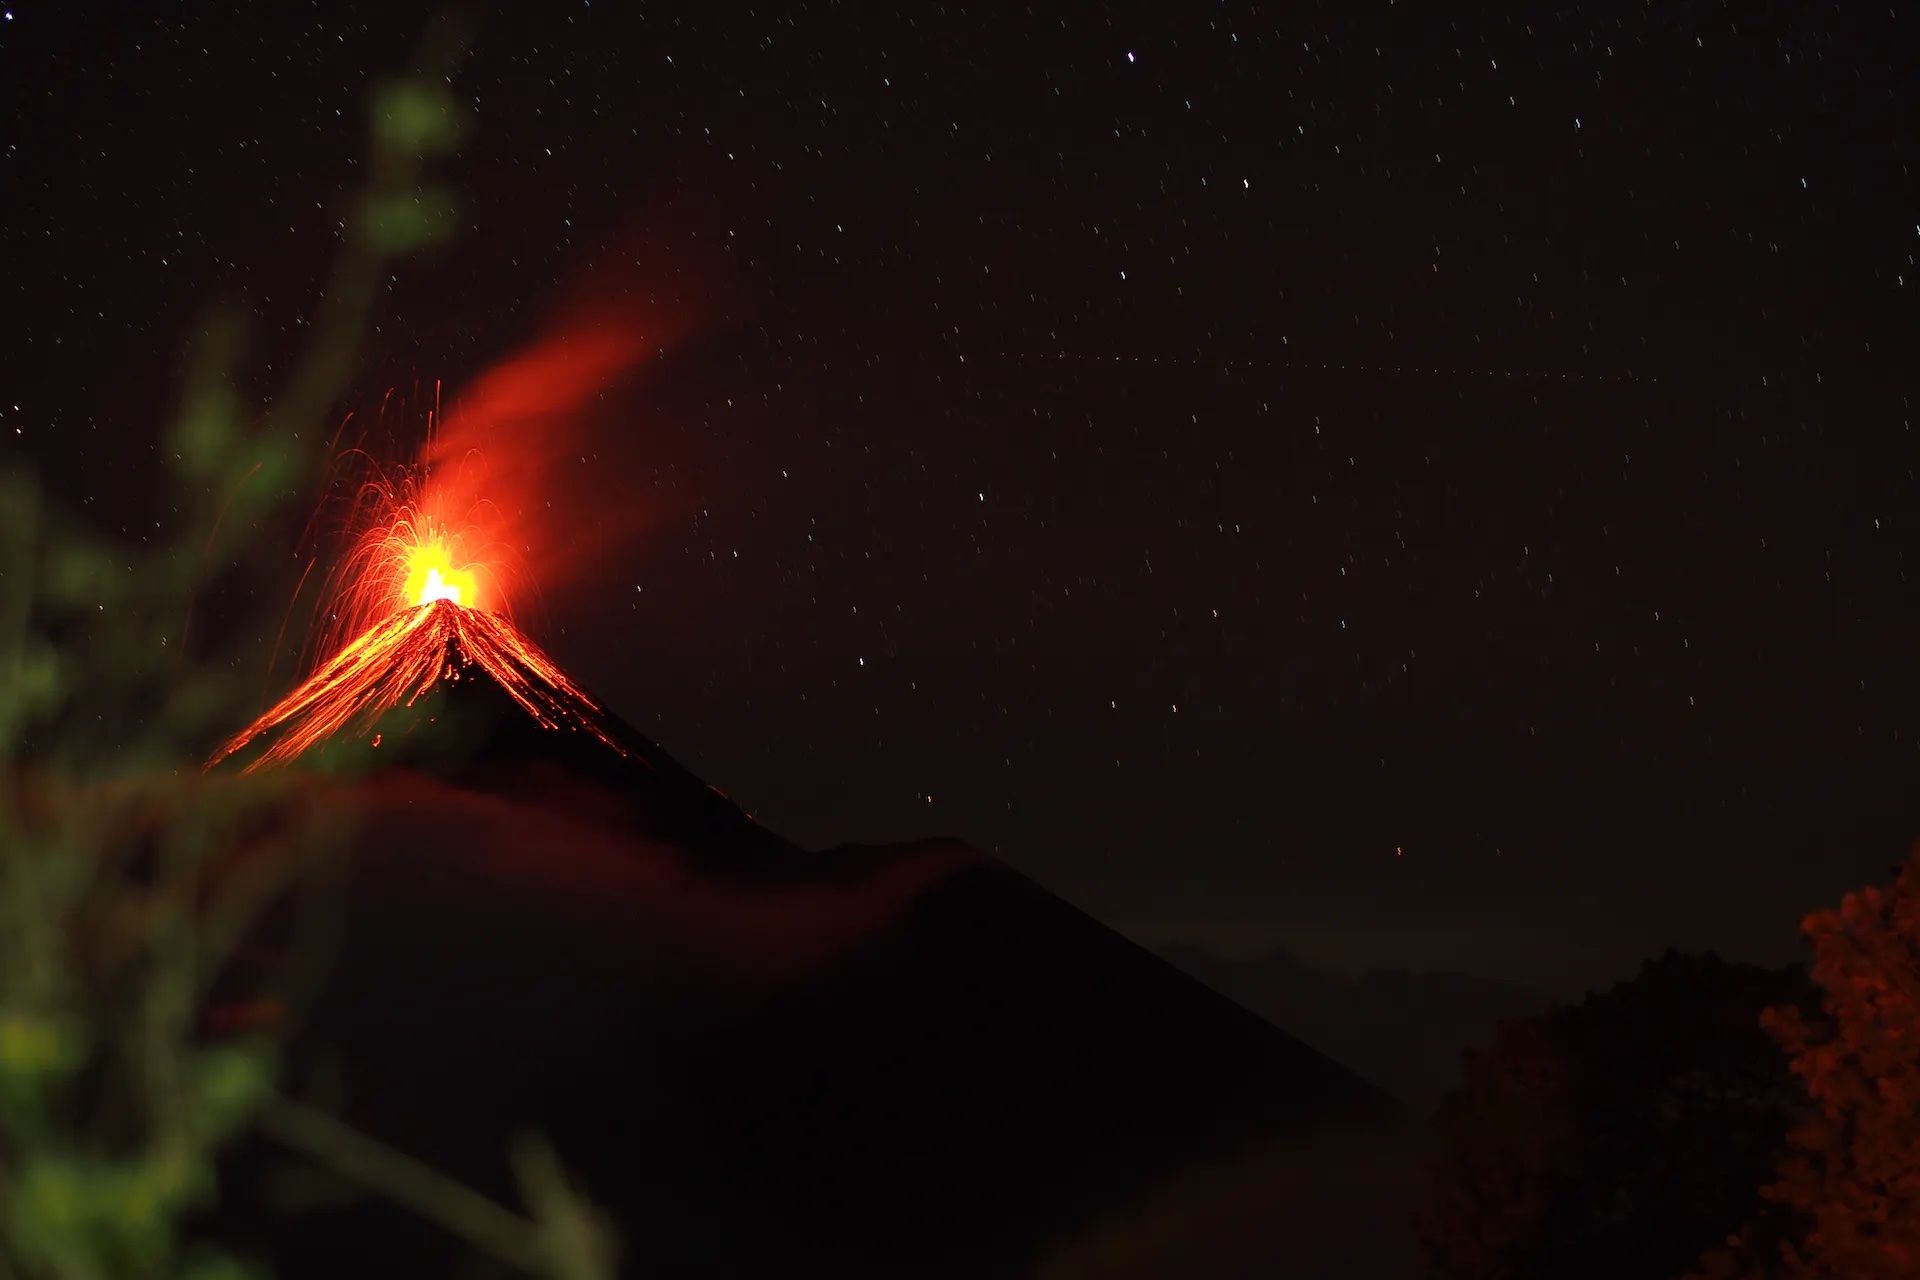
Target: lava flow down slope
{"type": "Point", "coordinates": [755, 1058]}
{"type": "Point", "coordinates": [396, 663]}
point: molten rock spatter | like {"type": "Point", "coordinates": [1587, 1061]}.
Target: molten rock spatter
{"type": "Point", "coordinates": [399, 661]}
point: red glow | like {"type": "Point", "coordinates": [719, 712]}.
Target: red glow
{"type": "Point", "coordinates": [399, 661]}
{"type": "Point", "coordinates": [496, 500]}
{"type": "Point", "coordinates": [409, 553]}
{"type": "Point", "coordinates": [509, 476]}
{"type": "Point", "coordinates": [442, 551]}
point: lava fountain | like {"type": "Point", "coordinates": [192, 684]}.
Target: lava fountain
{"type": "Point", "coordinates": [439, 552]}
{"type": "Point", "coordinates": [424, 609]}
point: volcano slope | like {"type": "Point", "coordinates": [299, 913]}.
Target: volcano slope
{"type": "Point", "coordinates": [861, 1061]}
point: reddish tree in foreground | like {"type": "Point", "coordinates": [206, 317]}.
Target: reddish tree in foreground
{"type": "Point", "coordinates": [1851, 1176]}
{"type": "Point", "coordinates": [1617, 1137]}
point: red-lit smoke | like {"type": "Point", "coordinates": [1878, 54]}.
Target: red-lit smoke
{"type": "Point", "coordinates": [504, 499]}
{"type": "Point", "coordinates": [513, 464]}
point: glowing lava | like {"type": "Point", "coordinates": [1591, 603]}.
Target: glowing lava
{"type": "Point", "coordinates": [416, 546]}
{"type": "Point", "coordinates": [417, 604]}
{"type": "Point", "coordinates": [403, 659]}
{"type": "Point", "coordinates": [439, 551]}
{"type": "Point", "coordinates": [432, 575]}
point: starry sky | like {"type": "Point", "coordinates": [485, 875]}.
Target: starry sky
{"type": "Point", "coordinates": [1417, 485]}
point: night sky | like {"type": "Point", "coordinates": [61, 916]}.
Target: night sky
{"type": "Point", "coordinates": [1412, 489]}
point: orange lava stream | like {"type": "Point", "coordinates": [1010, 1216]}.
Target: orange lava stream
{"type": "Point", "coordinates": [399, 660]}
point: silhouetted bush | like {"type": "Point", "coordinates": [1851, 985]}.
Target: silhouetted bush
{"type": "Point", "coordinates": [1617, 1137]}
{"type": "Point", "coordinates": [1849, 1183]}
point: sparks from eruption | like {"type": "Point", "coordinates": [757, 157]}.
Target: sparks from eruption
{"type": "Point", "coordinates": [418, 600]}
{"type": "Point", "coordinates": [414, 547]}
{"type": "Point", "coordinates": [400, 660]}
{"type": "Point", "coordinates": [438, 552]}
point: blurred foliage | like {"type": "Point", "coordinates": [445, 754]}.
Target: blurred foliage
{"type": "Point", "coordinates": [1850, 1179]}
{"type": "Point", "coordinates": [1617, 1137]}
{"type": "Point", "coordinates": [127, 879]}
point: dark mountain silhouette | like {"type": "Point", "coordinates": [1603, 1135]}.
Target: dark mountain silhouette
{"type": "Point", "coordinates": [758, 1059]}
{"type": "Point", "coordinates": [1403, 1029]}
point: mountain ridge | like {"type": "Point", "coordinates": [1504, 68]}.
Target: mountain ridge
{"type": "Point", "coordinates": [890, 1059]}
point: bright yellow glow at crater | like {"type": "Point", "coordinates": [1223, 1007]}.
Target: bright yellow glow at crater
{"type": "Point", "coordinates": [432, 575]}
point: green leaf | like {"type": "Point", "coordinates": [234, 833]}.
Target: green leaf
{"type": "Point", "coordinates": [229, 1082]}
{"type": "Point", "coordinates": [416, 117]}
{"type": "Point", "coordinates": [207, 431]}
{"type": "Point", "coordinates": [81, 572]}
{"type": "Point", "coordinates": [33, 686]}
{"type": "Point", "coordinates": [401, 224]}
{"type": "Point", "coordinates": [73, 1217]}
{"type": "Point", "coordinates": [32, 1045]}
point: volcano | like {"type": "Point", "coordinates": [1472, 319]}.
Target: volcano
{"type": "Point", "coordinates": [755, 1058]}
{"type": "Point", "coordinates": [393, 665]}
{"type": "Point", "coordinates": [463, 694]}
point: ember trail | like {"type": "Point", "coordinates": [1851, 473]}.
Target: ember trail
{"type": "Point", "coordinates": [411, 577]}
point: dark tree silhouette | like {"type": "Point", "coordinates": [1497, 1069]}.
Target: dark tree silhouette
{"type": "Point", "coordinates": [1851, 1177]}
{"type": "Point", "coordinates": [1620, 1136]}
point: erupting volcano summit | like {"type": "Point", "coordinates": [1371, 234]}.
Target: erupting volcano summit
{"type": "Point", "coordinates": [427, 672]}
{"type": "Point", "coordinates": [396, 663]}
